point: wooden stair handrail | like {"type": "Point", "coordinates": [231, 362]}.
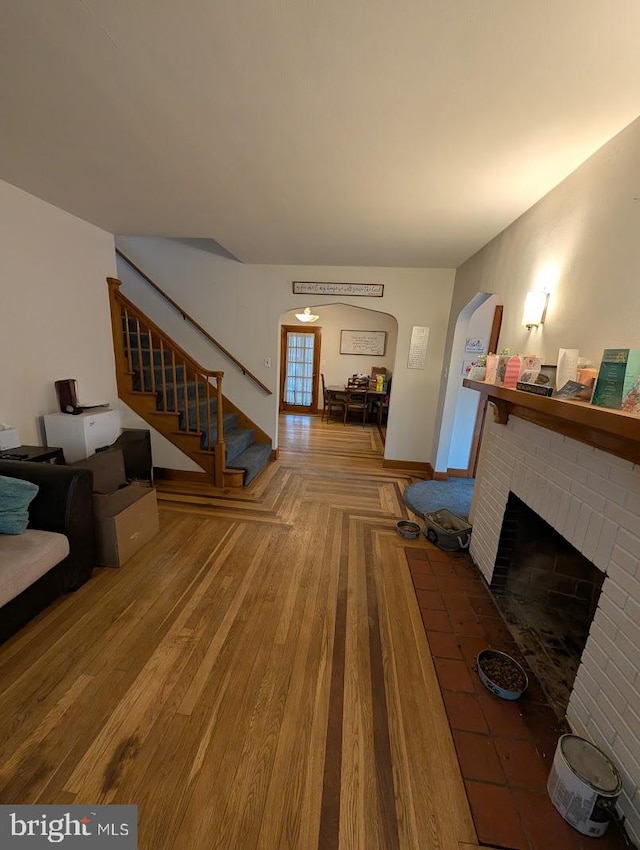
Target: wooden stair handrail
{"type": "Point", "coordinates": [193, 322]}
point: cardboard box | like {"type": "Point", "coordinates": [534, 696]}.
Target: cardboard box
{"type": "Point", "coordinates": [125, 520]}
{"type": "Point", "coordinates": [108, 470]}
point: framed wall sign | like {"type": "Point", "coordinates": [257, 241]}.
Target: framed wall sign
{"type": "Point", "coordinates": [372, 343]}
{"type": "Point", "coordinates": [418, 347]}
{"type": "Point", "coordinates": [312, 287]}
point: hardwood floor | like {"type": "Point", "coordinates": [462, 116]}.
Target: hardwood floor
{"type": "Point", "coordinates": [257, 677]}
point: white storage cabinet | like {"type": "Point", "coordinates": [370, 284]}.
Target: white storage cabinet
{"type": "Point", "coordinates": [79, 436]}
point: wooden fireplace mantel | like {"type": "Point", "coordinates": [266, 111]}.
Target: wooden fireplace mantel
{"type": "Point", "coordinates": [609, 430]}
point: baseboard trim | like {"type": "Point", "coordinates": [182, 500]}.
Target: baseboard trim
{"type": "Point", "coordinates": [425, 469]}
{"type": "Point", "coordinates": [451, 473]}
{"type": "Point", "coordinates": [163, 474]}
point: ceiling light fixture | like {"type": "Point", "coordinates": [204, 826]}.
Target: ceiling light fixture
{"type": "Point", "coordinates": [535, 309]}
{"type": "Point", "coordinates": [306, 316]}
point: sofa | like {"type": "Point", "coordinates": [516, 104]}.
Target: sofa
{"type": "Point", "coordinates": [37, 567]}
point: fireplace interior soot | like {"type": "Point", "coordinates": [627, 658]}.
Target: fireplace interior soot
{"type": "Point", "coordinates": [548, 593]}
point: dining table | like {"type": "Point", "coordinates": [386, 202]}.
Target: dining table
{"type": "Point", "coordinates": [338, 390]}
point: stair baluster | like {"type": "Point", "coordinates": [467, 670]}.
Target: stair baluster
{"type": "Point", "coordinates": [152, 362]}
{"type": "Point", "coordinates": [164, 376]}
{"type": "Point", "coordinates": [197, 403]}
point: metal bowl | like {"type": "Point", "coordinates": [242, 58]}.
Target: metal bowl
{"type": "Point", "coordinates": [406, 528]}
{"type": "Point", "coordinates": [487, 654]}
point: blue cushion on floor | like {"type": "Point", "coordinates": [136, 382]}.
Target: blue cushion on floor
{"type": "Point", "coordinates": [427, 496]}
{"type": "Point", "coordinates": [15, 497]}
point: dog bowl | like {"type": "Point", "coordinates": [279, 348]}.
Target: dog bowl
{"type": "Point", "coordinates": [406, 528]}
{"type": "Point", "coordinates": [501, 674]}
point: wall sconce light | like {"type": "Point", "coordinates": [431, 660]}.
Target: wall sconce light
{"type": "Point", "coordinates": [306, 316]}
{"type": "Point", "coordinates": [535, 309]}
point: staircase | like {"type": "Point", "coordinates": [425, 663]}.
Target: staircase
{"type": "Point", "coordinates": [162, 383]}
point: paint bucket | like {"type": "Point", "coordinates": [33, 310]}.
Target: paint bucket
{"type": "Point", "coordinates": [583, 785]}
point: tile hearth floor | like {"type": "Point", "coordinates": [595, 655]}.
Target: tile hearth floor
{"type": "Point", "coordinates": [505, 749]}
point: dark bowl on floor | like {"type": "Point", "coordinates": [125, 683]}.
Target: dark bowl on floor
{"type": "Point", "coordinates": [406, 528]}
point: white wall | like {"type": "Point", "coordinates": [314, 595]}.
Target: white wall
{"type": "Point", "coordinates": [581, 241]}
{"type": "Point", "coordinates": [54, 313]}
{"type": "Point", "coordinates": [333, 318]}
{"type": "Point", "coordinates": [242, 305]}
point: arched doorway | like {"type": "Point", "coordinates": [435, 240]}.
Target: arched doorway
{"type": "Point", "coordinates": [333, 361]}
{"type": "Point", "coordinates": [460, 430]}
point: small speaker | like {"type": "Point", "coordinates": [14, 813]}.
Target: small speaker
{"type": "Point", "coordinates": [67, 391]}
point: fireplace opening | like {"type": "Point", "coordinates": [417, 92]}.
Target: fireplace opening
{"type": "Point", "coordinates": [547, 592]}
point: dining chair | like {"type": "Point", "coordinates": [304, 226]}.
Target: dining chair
{"type": "Point", "coordinates": [331, 400]}
{"type": "Point", "coordinates": [356, 400]}
{"type": "Point", "coordinates": [324, 396]}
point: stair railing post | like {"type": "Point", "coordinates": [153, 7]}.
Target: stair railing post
{"type": "Point", "coordinates": [220, 450]}
{"type": "Point", "coordinates": [118, 333]}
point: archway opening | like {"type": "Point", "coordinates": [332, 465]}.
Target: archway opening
{"type": "Point", "coordinates": [458, 429]}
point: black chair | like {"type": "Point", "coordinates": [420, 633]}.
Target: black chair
{"type": "Point", "coordinates": [356, 401]}
{"type": "Point", "coordinates": [331, 400]}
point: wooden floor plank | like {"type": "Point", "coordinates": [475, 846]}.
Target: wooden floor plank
{"type": "Point", "coordinates": [256, 677]}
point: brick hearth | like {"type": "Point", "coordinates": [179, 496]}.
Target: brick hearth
{"type": "Point", "coordinates": [592, 499]}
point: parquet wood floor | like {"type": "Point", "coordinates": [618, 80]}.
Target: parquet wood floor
{"type": "Point", "coordinates": [257, 677]}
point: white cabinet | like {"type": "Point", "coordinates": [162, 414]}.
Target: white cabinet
{"type": "Point", "coordinates": [79, 436]}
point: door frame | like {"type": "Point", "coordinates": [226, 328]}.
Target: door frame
{"type": "Point", "coordinates": [317, 333]}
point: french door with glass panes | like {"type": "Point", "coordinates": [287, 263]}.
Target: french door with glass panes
{"type": "Point", "coordinates": [300, 358]}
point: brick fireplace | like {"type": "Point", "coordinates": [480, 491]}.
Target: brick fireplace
{"type": "Point", "coordinates": [592, 498]}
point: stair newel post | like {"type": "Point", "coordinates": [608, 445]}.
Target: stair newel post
{"type": "Point", "coordinates": [207, 393]}
{"type": "Point", "coordinates": [220, 447]}
{"type": "Point", "coordinates": [207, 415]}
{"type": "Point", "coordinates": [118, 336]}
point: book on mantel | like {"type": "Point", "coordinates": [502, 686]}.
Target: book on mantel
{"type": "Point", "coordinates": [572, 389]}
{"type": "Point", "coordinates": [618, 381]}
{"type": "Point", "coordinates": [536, 389]}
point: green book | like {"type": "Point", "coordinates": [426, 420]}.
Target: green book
{"type": "Point", "coordinates": [618, 382]}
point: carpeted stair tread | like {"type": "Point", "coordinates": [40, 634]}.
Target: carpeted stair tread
{"type": "Point", "coordinates": [237, 441]}
{"type": "Point", "coordinates": [428, 496]}
{"type": "Point", "coordinates": [191, 390]}
{"type": "Point", "coordinates": [174, 403]}
{"type": "Point", "coordinates": [252, 460]}
{"type": "Point", "coordinates": [229, 423]}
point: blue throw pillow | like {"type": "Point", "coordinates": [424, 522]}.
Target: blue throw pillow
{"type": "Point", "coordinates": [15, 497]}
